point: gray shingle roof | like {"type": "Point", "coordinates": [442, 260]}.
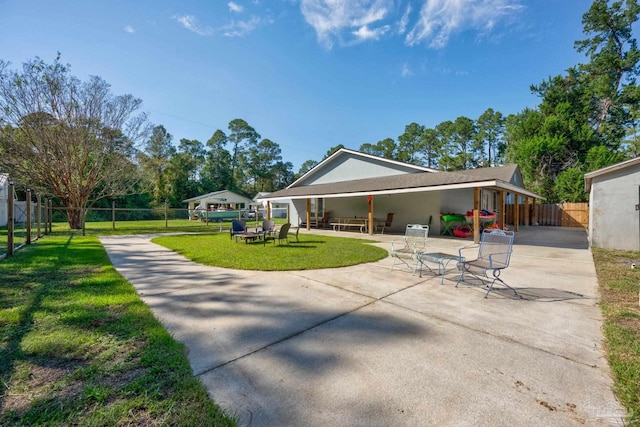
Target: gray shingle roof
{"type": "Point", "coordinates": [400, 182]}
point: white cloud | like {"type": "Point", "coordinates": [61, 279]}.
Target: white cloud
{"type": "Point", "coordinates": [404, 21]}
{"type": "Point", "coordinates": [330, 18]}
{"type": "Point", "coordinates": [439, 19]}
{"type": "Point", "coordinates": [406, 71]}
{"type": "Point", "coordinates": [242, 28]}
{"type": "Point", "coordinates": [129, 29]}
{"type": "Point", "coordinates": [191, 23]}
{"type": "Point", "coordinates": [235, 7]}
{"type": "Point", "coordinates": [366, 33]}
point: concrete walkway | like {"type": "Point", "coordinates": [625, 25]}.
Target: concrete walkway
{"type": "Point", "coordinates": [364, 345]}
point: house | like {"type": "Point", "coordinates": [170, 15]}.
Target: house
{"type": "Point", "coordinates": [4, 199]}
{"type": "Point", "coordinates": [350, 183]}
{"type": "Point", "coordinates": [614, 206]}
{"type": "Point", "coordinates": [220, 201]}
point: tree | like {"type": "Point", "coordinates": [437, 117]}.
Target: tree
{"type": "Point", "coordinates": [306, 167]}
{"type": "Point", "coordinates": [490, 127]}
{"type": "Point", "coordinates": [241, 136]}
{"type": "Point", "coordinates": [69, 138]}
{"type": "Point", "coordinates": [612, 69]}
{"type": "Point", "coordinates": [431, 147]}
{"type": "Point", "coordinates": [155, 161]}
{"type": "Point", "coordinates": [385, 148]}
{"type": "Point", "coordinates": [262, 160]}
{"type": "Point", "coordinates": [592, 106]}
{"type": "Point", "coordinates": [217, 173]}
{"type": "Point", "coordinates": [332, 150]}
{"type": "Point", "coordinates": [460, 144]}
{"type": "Point", "coordinates": [410, 143]}
{"type": "Point", "coordinates": [184, 170]}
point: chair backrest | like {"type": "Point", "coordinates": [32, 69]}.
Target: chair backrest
{"type": "Point", "coordinates": [268, 226]}
{"type": "Point", "coordinates": [498, 244]}
{"type": "Point", "coordinates": [415, 236]}
{"type": "Point", "coordinates": [284, 230]}
{"type": "Point", "coordinates": [389, 220]}
{"type": "Point", "coordinates": [238, 226]}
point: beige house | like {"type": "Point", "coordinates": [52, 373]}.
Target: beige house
{"type": "Point", "coordinates": [351, 183]}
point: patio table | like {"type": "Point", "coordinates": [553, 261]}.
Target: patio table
{"type": "Point", "coordinates": [439, 258]}
{"type": "Point", "coordinates": [342, 223]}
{"type": "Point", "coordinates": [250, 236]}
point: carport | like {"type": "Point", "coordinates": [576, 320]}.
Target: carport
{"type": "Point", "coordinates": [420, 195]}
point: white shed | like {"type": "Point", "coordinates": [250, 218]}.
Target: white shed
{"type": "Point", "coordinates": [614, 206]}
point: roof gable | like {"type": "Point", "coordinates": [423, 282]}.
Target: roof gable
{"type": "Point", "coordinates": [347, 165]}
{"type": "Point", "coordinates": [613, 168]}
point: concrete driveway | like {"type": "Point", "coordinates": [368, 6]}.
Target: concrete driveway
{"type": "Point", "coordinates": [364, 345]}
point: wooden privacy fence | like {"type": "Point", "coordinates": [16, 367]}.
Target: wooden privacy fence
{"type": "Point", "coordinates": [558, 214]}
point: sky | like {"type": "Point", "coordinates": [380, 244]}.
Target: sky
{"type": "Point", "coordinates": [306, 74]}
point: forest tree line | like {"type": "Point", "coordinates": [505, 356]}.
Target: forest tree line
{"type": "Point", "coordinates": [76, 141]}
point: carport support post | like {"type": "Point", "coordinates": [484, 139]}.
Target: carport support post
{"type": "Point", "coordinates": [370, 215]}
{"type": "Point", "coordinates": [476, 215]}
{"type": "Point", "coordinates": [268, 211]}
{"type": "Point", "coordinates": [308, 214]}
{"type": "Point", "coordinates": [517, 214]}
{"type": "Point", "coordinates": [526, 210]}
{"type": "Point", "coordinates": [503, 214]}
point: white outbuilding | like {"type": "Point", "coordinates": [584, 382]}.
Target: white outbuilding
{"type": "Point", "coordinates": [614, 206]}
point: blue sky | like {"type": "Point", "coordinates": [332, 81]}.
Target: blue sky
{"type": "Point", "coordinates": [307, 74]}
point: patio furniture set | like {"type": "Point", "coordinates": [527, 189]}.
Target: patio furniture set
{"type": "Point", "coordinates": [482, 261]}
{"type": "Point", "coordinates": [268, 231]}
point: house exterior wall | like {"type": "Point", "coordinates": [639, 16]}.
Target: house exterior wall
{"type": "Point", "coordinates": [408, 208]}
{"type": "Point", "coordinates": [349, 167]}
{"type": "Point", "coordinates": [614, 222]}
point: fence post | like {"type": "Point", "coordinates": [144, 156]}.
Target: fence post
{"type": "Point", "coordinates": [38, 215]}
{"type": "Point", "coordinates": [166, 215]}
{"type": "Point", "coordinates": [46, 216]}
{"type": "Point", "coordinates": [50, 215]}
{"type": "Point", "coordinates": [28, 236]}
{"type": "Point", "coordinates": [10, 219]}
{"type": "Point", "coordinates": [113, 214]}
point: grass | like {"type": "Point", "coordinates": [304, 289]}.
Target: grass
{"type": "Point", "coordinates": [78, 347]}
{"type": "Point", "coordinates": [311, 252]}
{"type": "Point", "coordinates": [620, 293]}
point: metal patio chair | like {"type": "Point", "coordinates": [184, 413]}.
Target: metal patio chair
{"type": "Point", "coordinates": [493, 255]}
{"type": "Point", "coordinates": [413, 242]}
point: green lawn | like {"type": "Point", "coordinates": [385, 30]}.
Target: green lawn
{"type": "Point", "coordinates": [311, 252]}
{"type": "Point", "coordinates": [620, 292]}
{"type": "Point", "coordinates": [78, 347]}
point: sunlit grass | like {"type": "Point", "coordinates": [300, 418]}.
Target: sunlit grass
{"type": "Point", "coordinates": [78, 346]}
{"type": "Point", "coordinates": [620, 292]}
{"type": "Point", "coordinates": [310, 252]}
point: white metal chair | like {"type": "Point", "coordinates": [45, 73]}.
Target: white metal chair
{"type": "Point", "coordinates": [413, 242]}
{"type": "Point", "coordinates": [494, 253]}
